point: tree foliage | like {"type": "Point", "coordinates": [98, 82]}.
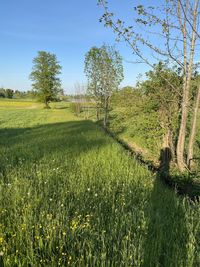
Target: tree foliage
{"type": "Point", "coordinates": [44, 75]}
{"type": "Point", "coordinates": [104, 70]}
{"type": "Point", "coordinates": [145, 113]}
{"type": "Point", "coordinates": [6, 93]}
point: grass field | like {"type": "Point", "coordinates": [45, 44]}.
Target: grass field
{"type": "Point", "coordinates": [71, 196]}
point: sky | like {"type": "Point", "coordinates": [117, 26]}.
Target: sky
{"type": "Point", "coordinates": [66, 28]}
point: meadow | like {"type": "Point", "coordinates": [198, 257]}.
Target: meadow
{"type": "Point", "coordinates": [71, 196]}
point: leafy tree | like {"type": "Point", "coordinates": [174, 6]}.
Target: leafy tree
{"type": "Point", "coordinates": [9, 93]}
{"type": "Point", "coordinates": [164, 101]}
{"type": "Point", "coordinates": [104, 70]}
{"type": "Point", "coordinates": [2, 93]}
{"type": "Point", "coordinates": [44, 75]}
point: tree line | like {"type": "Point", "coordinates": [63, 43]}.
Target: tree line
{"type": "Point", "coordinates": [11, 93]}
{"type": "Point", "coordinates": [6, 93]}
{"type": "Point", "coordinates": [167, 33]}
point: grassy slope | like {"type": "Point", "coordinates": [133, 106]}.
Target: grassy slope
{"type": "Point", "coordinates": [128, 128]}
{"type": "Point", "coordinates": [70, 196]}
{"type": "Point", "coordinates": [150, 148]}
{"type": "Point", "coordinates": [197, 147]}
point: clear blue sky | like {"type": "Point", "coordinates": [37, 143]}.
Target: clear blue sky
{"type": "Point", "coordinates": [67, 28]}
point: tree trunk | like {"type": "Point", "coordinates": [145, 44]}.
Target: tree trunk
{"type": "Point", "coordinates": [106, 104]}
{"type": "Point", "coordinates": [46, 104]}
{"type": "Point", "coordinates": [105, 121]}
{"type": "Point", "coordinates": [97, 112]}
{"type": "Point", "coordinates": [193, 130]}
{"type": "Point", "coordinates": [182, 130]}
{"type": "Point", "coordinates": [188, 69]}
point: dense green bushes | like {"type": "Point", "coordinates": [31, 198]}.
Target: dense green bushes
{"type": "Point", "coordinates": [149, 114]}
{"type": "Point", "coordinates": [133, 116]}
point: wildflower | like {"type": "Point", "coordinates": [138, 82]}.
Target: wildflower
{"type": "Point", "coordinates": [88, 189]}
{"type": "Point", "coordinates": [96, 195]}
{"type": "Point", "coordinates": [85, 225]}
{"type": "Point", "coordinates": [23, 226]}
{"type": "Point", "coordinates": [49, 216]}
{"type": "Point", "coordinates": [62, 205]}
{"type": "Point", "coordinates": [64, 254]}
{"type": "Point", "coordinates": [69, 259]}
{"type": "Point", "coordinates": [74, 225]}
{"type": "Point", "coordinates": [64, 233]}
{"type": "Point", "coordinates": [1, 240]}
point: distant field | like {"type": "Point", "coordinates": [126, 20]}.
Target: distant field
{"type": "Point", "coordinates": [27, 104]}
{"type": "Point", "coordinates": [15, 104]}
{"type": "Point", "coordinates": [71, 196]}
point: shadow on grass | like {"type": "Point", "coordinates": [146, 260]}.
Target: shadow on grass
{"type": "Point", "coordinates": [32, 144]}
{"type": "Point", "coordinates": [61, 107]}
{"type": "Point", "coordinates": [167, 235]}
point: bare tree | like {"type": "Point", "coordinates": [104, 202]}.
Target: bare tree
{"type": "Point", "coordinates": [79, 96]}
{"type": "Point", "coordinates": [193, 130]}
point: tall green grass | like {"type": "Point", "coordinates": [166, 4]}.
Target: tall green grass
{"type": "Point", "coordinates": [71, 196]}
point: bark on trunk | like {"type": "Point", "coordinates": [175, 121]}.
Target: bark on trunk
{"type": "Point", "coordinates": [46, 103]}
{"type": "Point", "coordinates": [193, 130]}
{"type": "Point", "coordinates": [106, 104]}
{"type": "Point", "coordinates": [97, 113]}
{"type": "Point", "coordinates": [182, 131]}
{"type": "Point", "coordinates": [188, 69]}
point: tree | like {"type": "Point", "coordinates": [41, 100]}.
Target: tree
{"type": "Point", "coordinates": [104, 70]}
{"type": "Point", "coordinates": [193, 129]}
{"type": "Point", "coordinates": [44, 74]}
{"type": "Point", "coordinates": [164, 100]}
{"type": "Point", "coordinates": [9, 93]}
{"type": "Point", "coordinates": [79, 97]}
{"type": "Point", "coordinates": [175, 23]}
{"type": "Point", "coordinates": [2, 93]}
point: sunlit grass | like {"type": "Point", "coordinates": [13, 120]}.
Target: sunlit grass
{"type": "Point", "coordinates": [18, 104]}
{"type": "Point", "coordinates": [71, 196]}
